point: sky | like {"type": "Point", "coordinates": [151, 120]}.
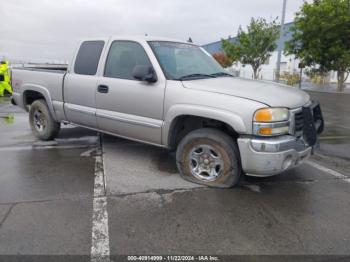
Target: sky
{"type": "Point", "coordinates": [49, 30]}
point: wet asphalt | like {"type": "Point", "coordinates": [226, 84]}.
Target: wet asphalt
{"type": "Point", "coordinates": [47, 191]}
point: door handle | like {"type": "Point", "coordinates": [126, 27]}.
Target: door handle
{"type": "Point", "coordinates": [102, 89]}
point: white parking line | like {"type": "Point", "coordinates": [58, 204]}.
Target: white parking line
{"type": "Point", "coordinates": [329, 171]}
{"type": "Point", "coordinates": [100, 236]}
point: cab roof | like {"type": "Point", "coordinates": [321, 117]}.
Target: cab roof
{"type": "Point", "coordinates": [137, 38]}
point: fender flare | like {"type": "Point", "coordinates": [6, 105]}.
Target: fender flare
{"type": "Point", "coordinates": [42, 90]}
{"type": "Point", "coordinates": [225, 116]}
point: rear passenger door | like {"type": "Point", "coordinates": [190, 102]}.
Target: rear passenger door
{"type": "Point", "coordinates": [80, 85]}
{"type": "Point", "coordinates": [126, 106]}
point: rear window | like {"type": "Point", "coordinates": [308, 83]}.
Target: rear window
{"type": "Point", "coordinates": [88, 57]}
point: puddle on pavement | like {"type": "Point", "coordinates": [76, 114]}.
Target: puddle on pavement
{"type": "Point", "coordinates": [8, 118]}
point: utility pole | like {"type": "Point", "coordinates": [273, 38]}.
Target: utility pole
{"type": "Point", "coordinates": [279, 54]}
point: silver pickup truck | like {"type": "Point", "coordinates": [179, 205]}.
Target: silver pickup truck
{"type": "Point", "coordinates": [173, 94]}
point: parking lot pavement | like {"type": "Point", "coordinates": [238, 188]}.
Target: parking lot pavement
{"type": "Point", "coordinates": [334, 151]}
{"type": "Point", "coordinates": [46, 188]}
{"type": "Point", "coordinates": [303, 211]}
{"type": "Point", "coordinates": [55, 227]}
{"type": "Point", "coordinates": [278, 218]}
{"type": "Point", "coordinates": [131, 167]}
{"type": "Point", "coordinates": [52, 201]}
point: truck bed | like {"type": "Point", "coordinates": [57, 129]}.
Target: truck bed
{"type": "Point", "coordinates": [49, 79]}
{"type": "Point", "coordinates": [44, 66]}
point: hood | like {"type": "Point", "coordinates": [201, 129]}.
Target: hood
{"type": "Point", "coordinates": [269, 93]}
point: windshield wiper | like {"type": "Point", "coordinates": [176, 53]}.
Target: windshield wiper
{"type": "Point", "coordinates": [195, 76]}
{"type": "Point", "coordinates": [221, 74]}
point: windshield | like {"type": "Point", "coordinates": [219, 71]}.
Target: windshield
{"type": "Point", "coordinates": [181, 61]}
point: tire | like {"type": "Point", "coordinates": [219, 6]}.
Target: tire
{"type": "Point", "coordinates": [41, 121]}
{"type": "Point", "coordinates": [209, 157]}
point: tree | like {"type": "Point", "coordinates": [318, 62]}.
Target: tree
{"type": "Point", "coordinates": [254, 46]}
{"type": "Point", "coordinates": [222, 59]}
{"type": "Point", "coordinates": [321, 37]}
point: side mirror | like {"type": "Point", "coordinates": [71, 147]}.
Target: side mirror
{"type": "Point", "coordinates": [144, 73]}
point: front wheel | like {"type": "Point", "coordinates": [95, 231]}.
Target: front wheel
{"type": "Point", "coordinates": [209, 157]}
{"type": "Point", "coordinates": [41, 121]}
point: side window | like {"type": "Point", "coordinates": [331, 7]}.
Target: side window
{"type": "Point", "coordinates": [88, 56]}
{"type": "Point", "coordinates": [123, 57]}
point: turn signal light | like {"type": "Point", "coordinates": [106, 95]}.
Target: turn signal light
{"type": "Point", "coordinates": [266, 131]}
{"type": "Point", "coordinates": [263, 115]}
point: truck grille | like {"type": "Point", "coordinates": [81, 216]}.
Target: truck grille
{"type": "Point", "coordinates": [299, 120]}
{"type": "Point", "coordinates": [299, 123]}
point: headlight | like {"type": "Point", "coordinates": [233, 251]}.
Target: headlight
{"type": "Point", "coordinates": [271, 115]}
{"type": "Point", "coordinates": [271, 121]}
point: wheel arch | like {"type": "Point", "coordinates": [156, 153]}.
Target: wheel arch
{"type": "Point", "coordinates": [32, 93]}
{"type": "Point", "coordinates": [180, 120]}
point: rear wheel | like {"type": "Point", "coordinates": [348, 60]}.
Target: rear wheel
{"type": "Point", "coordinates": [41, 121]}
{"type": "Point", "coordinates": [209, 157]}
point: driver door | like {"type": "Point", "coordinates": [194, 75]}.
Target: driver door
{"type": "Point", "coordinates": [125, 106]}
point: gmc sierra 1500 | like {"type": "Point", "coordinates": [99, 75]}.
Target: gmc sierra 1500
{"type": "Point", "coordinates": [173, 94]}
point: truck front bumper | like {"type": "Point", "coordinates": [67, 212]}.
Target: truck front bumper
{"type": "Point", "coordinates": [270, 156]}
